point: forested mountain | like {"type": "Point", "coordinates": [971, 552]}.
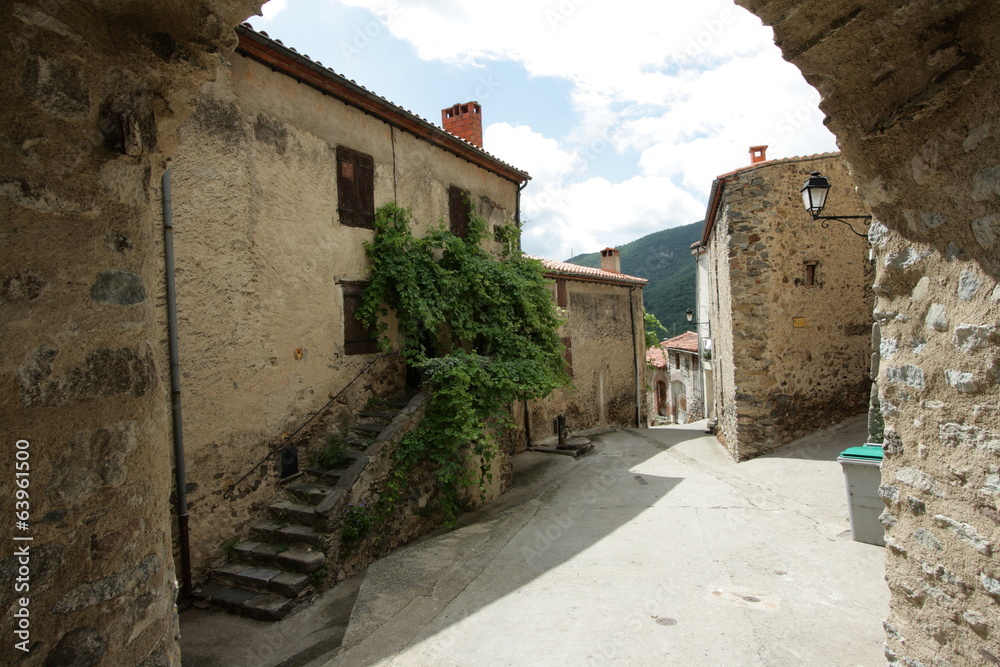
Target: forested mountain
{"type": "Point", "coordinates": [664, 259]}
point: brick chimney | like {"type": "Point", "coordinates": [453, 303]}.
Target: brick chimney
{"type": "Point", "coordinates": [758, 154]}
{"type": "Point", "coordinates": [610, 260]}
{"type": "Point", "coordinates": [465, 121]}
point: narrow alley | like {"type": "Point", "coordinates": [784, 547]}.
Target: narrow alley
{"type": "Point", "coordinates": [654, 549]}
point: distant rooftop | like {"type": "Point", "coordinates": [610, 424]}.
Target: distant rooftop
{"type": "Point", "coordinates": [588, 273]}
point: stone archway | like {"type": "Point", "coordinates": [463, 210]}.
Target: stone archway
{"type": "Point", "coordinates": [95, 92]}
{"type": "Point", "coordinates": [911, 90]}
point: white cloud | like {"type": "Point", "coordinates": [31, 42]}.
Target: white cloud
{"type": "Point", "coordinates": [688, 86]}
{"type": "Point", "coordinates": [271, 9]}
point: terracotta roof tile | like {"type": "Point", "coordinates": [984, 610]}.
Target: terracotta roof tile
{"type": "Point", "coordinates": [686, 342]}
{"type": "Point", "coordinates": [567, 269]}
{"type": "Point", "coordinates": [656, 356]}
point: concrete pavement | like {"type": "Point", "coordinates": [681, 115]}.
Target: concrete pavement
{"type": "Point", "coordinates": [656, 549]}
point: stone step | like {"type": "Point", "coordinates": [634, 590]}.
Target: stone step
{"type": "Point", "coordinates": [261, 579]}
{"type": "Point", "coordinates": [368, 428]}
{"type": "Point", "coordinates": [281, 533]}
{"type": "Point", "coordinates": [261, 606]}
{"type": "Point", "coordinates": [311, 492]}
{"type": "Point", "coordinates": [378, 413]}
{"type": "Point", "coordinates": [280, 556]}
{"type": "Point", "coordinates": [291, 512]}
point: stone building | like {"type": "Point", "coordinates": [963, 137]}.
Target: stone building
{"type": "Point", "coordinates": [274, 186]}
{"type": "Point", "coordinates": [674, 381]}
{"type": "Point", "coordinates": [95, 93]}
{"type": "Point", "coordinates": [789, 304]}
{"type": "Point", "coordinates": [605, 340]}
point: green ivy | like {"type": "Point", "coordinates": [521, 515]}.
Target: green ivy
{"type": "Point", "coordinates": [480, 327]}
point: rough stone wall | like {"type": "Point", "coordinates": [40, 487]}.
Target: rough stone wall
{"type": "Point", "coordinates": [605, 351]}
{"type": "Point", "coordinates": [912, 90]}
{"type": "Point", "coordinates": [794, 357]}
{"type": "Point", "coordinates": [94, 92]}
{"type": "Point", "coordinates": [260, 250]}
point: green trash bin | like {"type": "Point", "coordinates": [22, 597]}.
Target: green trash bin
{"type": "Point", "coordinates": [863, 475]}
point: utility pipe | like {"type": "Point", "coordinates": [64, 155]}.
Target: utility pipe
{"type": "Point", "coordinates": [175, 388]}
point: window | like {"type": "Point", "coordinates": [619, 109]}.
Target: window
{"type": "Point", "coordinates": [562, 297]}
{"type": "Point", "coordinates": [355, 188]}
{"type": "Point", "coordinates": [358, 339]}
{"type": "Point", "coordinates": [809, 273]}
{"type": "Point", "coordinates": [677, 360]}
{"type": "Point", "coordinates": [459, 211]}
{"type": "Point", "coordinates": [568, 344]}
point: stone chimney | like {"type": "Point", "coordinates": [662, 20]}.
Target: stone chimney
{"type": "Point", "coordinates": [758, 154]}
{"type": "Point", "coordinates": [465, 121]}
{"type": "Point", "coordinates": [610, 260]}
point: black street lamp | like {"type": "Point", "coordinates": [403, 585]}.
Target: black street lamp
{"type": "Point", "coordinates": [814, 198]}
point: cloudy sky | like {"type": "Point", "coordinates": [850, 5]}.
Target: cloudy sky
{"type": "Point", "coordinates": [622, 112]}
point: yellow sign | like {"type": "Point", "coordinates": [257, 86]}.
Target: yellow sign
{"type": "Point", "coordinates": [798, 322]}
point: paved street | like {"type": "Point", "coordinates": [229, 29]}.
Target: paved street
{"type": "Point", "coordinates": [655, 549]}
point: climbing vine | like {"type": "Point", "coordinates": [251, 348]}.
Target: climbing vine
{"type": "Point", "coordinates": [480, 328]}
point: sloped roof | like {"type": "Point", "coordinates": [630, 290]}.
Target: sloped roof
{"type": "Point", "coordinates": [719, 184]}
{"type": "Point", "coordinates": [686, 342]}
{"type": "Point", "coordinates": [588, 273]}
{"type": "Point", "coordinates": [288, 61]}
{"type": "Point", "coordinates": [656, 356]}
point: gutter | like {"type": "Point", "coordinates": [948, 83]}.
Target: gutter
{"type": "Point", "coordinates": [175, 388]}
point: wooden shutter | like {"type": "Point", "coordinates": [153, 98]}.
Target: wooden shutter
{"type": "Point", "coordinates": [562, 297]}
{"type": "Point", "coordinates": [355, 188]}
{"type": "Point", "coordinates": [459, 211]}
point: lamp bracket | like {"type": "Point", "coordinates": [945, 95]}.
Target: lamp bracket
{"type": "Point", "coordinates": [844, 219]}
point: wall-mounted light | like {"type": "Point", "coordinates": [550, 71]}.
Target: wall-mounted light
{"type": "Point", "coordinates": [814, 199]}
{"type": "Point", "coordinates": [689, 315]}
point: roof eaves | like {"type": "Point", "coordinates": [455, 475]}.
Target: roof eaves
{"type": "Point", "coordinates": [273, 53]}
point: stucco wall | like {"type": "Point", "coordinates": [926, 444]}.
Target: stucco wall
{"type": "Point", "coordinates": [912, 92]}
{"type": "Point", "coordinates": [793, 357]}
{"type": "Point", "coordinates": [260, 250]}
{"type": "Point", "coordinates": [93, 93]}
{"type": "Point", "coordinates": [605, 352]}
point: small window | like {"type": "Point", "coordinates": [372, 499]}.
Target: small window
{"type": "Point", "coordinates": [809, 273]}
{"type": "Point", "coordinates": [355, 188]}
{"type": "Point", "coordinates": [459, 211]}
{"type": "Point", "coordinates": [568, 344]}
{"type": "Point", "coordinates": [562, 297]}
{"type": "Point", "coordinates": [358, 339]}
{"type": "Point", "coordinates": [677, 361]}
{"type": "Point", "coordinates": [694, 363]}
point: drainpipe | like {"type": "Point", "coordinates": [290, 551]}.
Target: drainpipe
{"type": "Point", "coordinates": [517, 212]}
{"type": "Point", "coordinates": [175, 388]}
{"type": "Point", "coordinates": [635, 357]}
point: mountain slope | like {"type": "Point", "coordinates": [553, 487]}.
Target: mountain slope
{"type": "Point", "coordinates": [664, 259]}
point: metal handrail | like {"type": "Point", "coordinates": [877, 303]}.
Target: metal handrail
{"type": "Point", "coordinates": [285, 441]}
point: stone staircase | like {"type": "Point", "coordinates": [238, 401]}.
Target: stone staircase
{"type": "Point", "coordinates": [295, 549]}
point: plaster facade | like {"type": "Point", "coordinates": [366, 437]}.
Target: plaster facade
{"type": "Point", "coordinates": [262, 259]}
{"type": "Point", "coordinates": [605, 339]}
{"type": "Point", "coordinates": [790, 306]}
